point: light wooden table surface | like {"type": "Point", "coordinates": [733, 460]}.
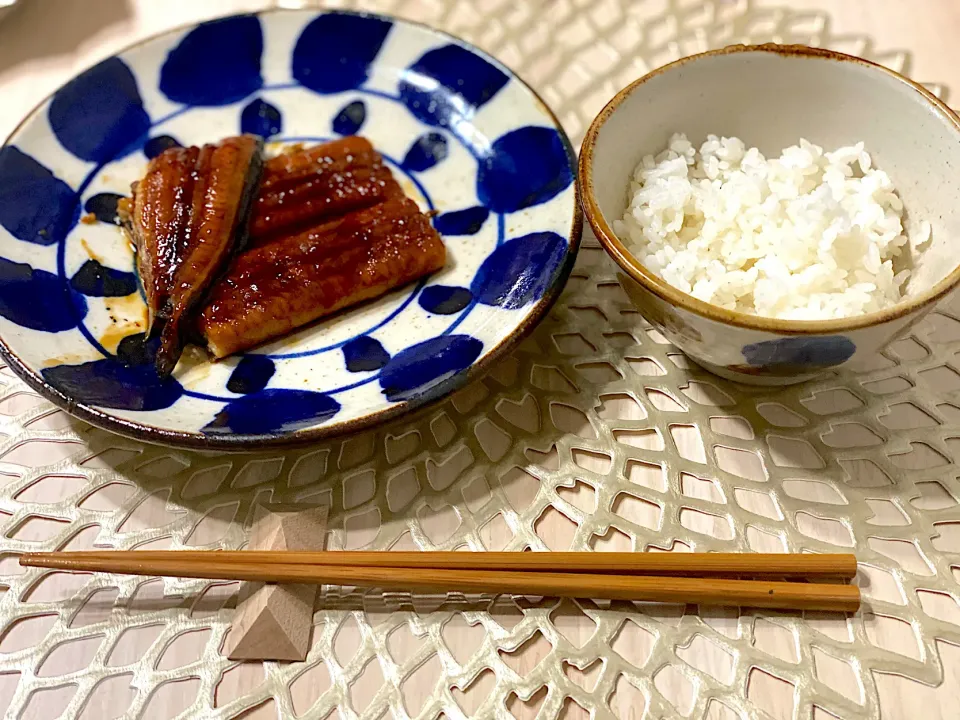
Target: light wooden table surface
{"type": "Point", "coordinates": [46, 41]}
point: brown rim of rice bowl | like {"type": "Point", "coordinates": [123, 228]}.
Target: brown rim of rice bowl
{"type": "Point", "coordinates": [660, 287]}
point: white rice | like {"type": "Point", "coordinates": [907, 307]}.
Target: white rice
{"type": "Point", "coordinates": [809, 235]}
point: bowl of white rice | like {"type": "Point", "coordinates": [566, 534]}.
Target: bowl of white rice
{"type": "Point", "coordinates": [777, 211]}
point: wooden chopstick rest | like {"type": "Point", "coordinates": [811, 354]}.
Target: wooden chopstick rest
{"type": "Point", "coordinates": [274, 622]}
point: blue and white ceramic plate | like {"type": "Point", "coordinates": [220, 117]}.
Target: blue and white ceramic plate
{"type": "Point", "coordinates": [464, 136]}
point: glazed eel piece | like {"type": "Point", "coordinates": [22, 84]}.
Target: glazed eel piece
{"type": "Point", "coordinates": [293, 281]}
{"type": "Point", "coordinates": [303, 188]}
{"type": "Point", "coordinates": [188, 216]}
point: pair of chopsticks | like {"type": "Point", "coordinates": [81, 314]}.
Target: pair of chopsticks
{"type": "Point", "coordinates": [697, 578]}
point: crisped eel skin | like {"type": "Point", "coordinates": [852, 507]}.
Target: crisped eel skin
{"type": "Point", "coordinates": [155, 218]}
{"type": "Point", "coordinates": [190, 214]}
{"type": "Point", "coordinates": [304, 188]}
{"type": "Point", "coordinates": [291, 282]}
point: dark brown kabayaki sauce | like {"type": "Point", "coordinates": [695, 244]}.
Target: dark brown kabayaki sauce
{"type": "Point", "coordinates": [190, 212]}
{"type": "Point", "coordinates": [269, 290]}
{"type": "Point", "coordinates": [329, 180]}
{"type": "Point", "coordinates": [323, 228]}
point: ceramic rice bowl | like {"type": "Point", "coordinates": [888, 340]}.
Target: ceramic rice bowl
{"type": "Point", "coordinates": [770, 96]}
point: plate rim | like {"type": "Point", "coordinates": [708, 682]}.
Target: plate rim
{"type": "Point", "coordinates": [253, 442]}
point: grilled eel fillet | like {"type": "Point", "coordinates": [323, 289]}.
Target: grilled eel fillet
{"type": "Point", "coordinates": [189, 214]}
{"type": "Point", "coordinates": [301, 189]}
{"type": "Point", "coordinates": [290, 282]}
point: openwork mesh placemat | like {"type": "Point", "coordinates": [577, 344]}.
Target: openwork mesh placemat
{"type": "Point", "coordinates": [596, 434]}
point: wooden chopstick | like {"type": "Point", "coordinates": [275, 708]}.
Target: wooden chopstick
{"type": "Point", "coordinates": [703, 591]}
{"type": "Point", "coordinates": [782, 565]}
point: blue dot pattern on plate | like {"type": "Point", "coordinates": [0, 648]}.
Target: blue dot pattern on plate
{"type": "Point", "coordinates": [272, 411]}
{"type": "Point", "coordinates": [505, 199]}
{"type": "Point", "coordinates": [527, 166]}
{"type": "Point", "coordinates": [467, 81]}
{"type": "Point", "coordinates": [427, 365]}
{"type": "Point", "coordinates": [519, 272]}
{"type": "Point", "coordinates": [156, 145]}
{"type": "Point", "coordinates": [35, 205]}
{"type": "Point", "coordinates": [444, 299]}
{"type": "Point", "coordinates": [37, 299]}
{"type": "Point", "coordinates": [103, 206]}
{"type": "Point", "coordinates": [252, 374]}
{"type": "Point", "coordinates": [217, 63]}
{"type": "Point", "coordinates": [350, 119]}
{"type": "Point", "coordinates": [335, 51]}
{"type": "Point", "coordinates": [461, 222]}
{"type": "Point", "coordinates": [364, 354]}
{"type": "Point", "coordinates": [800, 352]}
{"type": "Point", "coordinates": [137, 349]}
{"type": "Point", "coordinates": [426, 151]}
{"type": "Point", "coordinates": [97, 280]}
{"type": "Point", "coordinates": [127, 382]}
{"type": "Point", "coordinates": [261, 118]}
{"type": "Point", "coordinates": [99, 114]}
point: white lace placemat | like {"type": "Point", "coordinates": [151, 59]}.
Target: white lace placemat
{"type": "Point", "coordinates": [594, 435]}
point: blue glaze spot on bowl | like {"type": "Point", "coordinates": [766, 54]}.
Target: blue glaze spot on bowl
{"type": "Point", "coordinates": [35, 205]}
{"type": "Point", "coordinates": [261, 118]}
{"type": "Point", "coordinates": [444, 299]}
{"type": "Point", "coordinates": [335, 51]}
{"type": "Point", "coordinates": [350, 118]}
{"type": "Point", "coordinates": [525, 167]}
{"type": "Point", "coordinates": [424, 369]}
{"type": "Point", "coordinates": [99, 114]}
{"type": "Point", "coordinates": [426, 151]}
{"type": "Point", "coordinates": [216, 63]}
{"type": "Point", "coordinates": [97, 280]}
{"type": "Point", "coordinates": [37, 299]}
{"type": "Point", "coordinates": [156, 145]}
{"type": "Point", "coordinates": [364, 354]}
{"type": "Point", "coordinates": [461, 222]}
{"type": "Point", "coordinates": [468, 81]}
{"type": "Point", "coordinates": [251, 374]}
{"type": "Point", "coordinates": [520, 271]}
{"type": "Point", "coordinates": [273, 411]}
{"type": "Point", "coordinates": [799, 353]}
